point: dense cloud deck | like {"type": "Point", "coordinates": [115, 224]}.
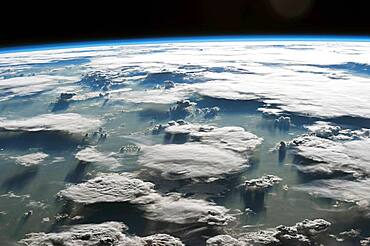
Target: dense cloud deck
{"type": "Point", "coordinates": [208, 143]}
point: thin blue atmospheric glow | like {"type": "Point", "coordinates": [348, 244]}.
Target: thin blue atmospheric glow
{"type": "Point", "coordinates": [239, 38]}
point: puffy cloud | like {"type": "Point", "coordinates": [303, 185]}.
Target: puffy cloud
{"type": "Point", "coordinates": [336, 155]}
{"type": "Point", "coordinates": [89, 234]}
{"type": "Point", "coordinates": [162, 240]}
{"type": "Point", "coordinates": [261, 237]}
{"type": "Point", "coordinates": [155, 96]}
{"type": "Point", "coordinates": [182, 109]}
{"type": "Point", "coordinates": [108, 188]}
{"type": "Point", "coordinates": [302, 233]}
{"type": "Point", "coordinates": [96, 81]}
{"type": "Point", "coordinates": [29, 85]}
{"type": "Point", "coordinates": [92, 155]}
{"type": "Point", "coordinates": [323, 129]}
{"type": "Point", "coordinates": [68, 122]}
{"type": "Point", "coordinates": [221, 240]}
{"type": "Point", "coordinates": [262, 184]}
{"type": "Point", "coordinates": [30, 159]}
{"type": "Point", "coordinates": [200, 151]}
{"type": "Point", "coordinates": [331, 131]}
{"type": "Point", "coordinates": [178, 77]}
{"type": "Point", "coordinates": [294, 92]}
{"type": "Point", "coordinates": [108, 233]}
{"type": "Point", "coordinates": [113, 188]}
{"type": "Point", "coordinates": [283, 123]}
{"type": "Point", "coordinates": [191, 160]}
{"type": "Point", "coordinates": [297, 92]}
{"type": "Point", "coordinates": [228, 138]}
{"type": "Point", "coordinates": [337, 189]}
{"type": "Point", "coordinates": [175, 209]}
{"type": "Point", "coordinates": [328, 157]}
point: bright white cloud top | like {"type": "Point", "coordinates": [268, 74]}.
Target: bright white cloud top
{"type": "Point", "coordinates": [68, 122]}
{"type": "Point", "coordinates": [122, 188]}
{"type": "Point", "coordinates": [30, 159]}
{"type": "Point", "coordinates": [113, 233]}
{"type": "Point", "coordinates": [92, 155]}
{"type": "Point", "coordinates": [205, 152]}
{"type": "Point", "coordinates": [304, 78]}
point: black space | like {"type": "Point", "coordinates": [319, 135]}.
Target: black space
{"type": "Point", "coordinates": [60, 21]}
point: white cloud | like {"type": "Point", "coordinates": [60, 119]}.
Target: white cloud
{"type": "Point", "coordinates": [342, 190]}
{"type": "Point", "coordinates": [30, 159]}
{"type": "Point", "coordinates": [191, 160]}
{"type": "Point", "coordinates": [334, 155]}
{"type": "Point", "coordinates": [205, 152]}
{"type": "Point", "coordinates": [90, 154]}
{"type": "Point", "coordinates": [30, 85]}
{"type": "Point", "coordinates": [68, 122]}
{"type": "Point", "coordinates": [110, 233]}
{"type": "Point", "coordinates": [178, 210]}
{"type": "Point", "coordinates": [124, 188]}
{"type": "Point", "coordinates": [323, 79]}
{"type": "Point", "coordinates": [262, 184]}
{"type": "Point", "coordinates": [330, 157]}
{"type": "Point", "coordinates": [228, 138]}
{"type": "Point", "coordinates": [108, 188]}
{"type": "Point", "coordinates": [302, 233]}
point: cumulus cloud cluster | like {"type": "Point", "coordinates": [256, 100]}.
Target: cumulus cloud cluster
{"type": "Point", "coordinates": [68, 122]}
{"type": "Point", "coordinates": [230, 138]}
{"type": "Point", "coordinates": [30, 159]}
{"type": "Point", "coordinates": [108, 188]}
{"type": "Point", "coordinates": [282, 75]}
{"type": "Point", "coordinates": [302, 233]}
{"type": "Point", "coordinates": [92, 155]}
{"type": "Point", "coordinates": [262, 184]}
{"type": "Point", "coordinates": [289, 95]}
{"type": "Point", "coordinates": [338, 158]}
{"type": "Point", "coordinates": [122, 188]}
{"type": "Point", "coordinates": [190, 160]}
{"type": "Point", "coordinates": [331, 131]}
{"type": "Point", "coordinates": [154, 96]}
{"type": "Point", "coordinates": [175, 209]}
{"type": "Point", "coordinates": [200, 151]}
{"type": "Point", "coordinates": [342, 190]}
{"type": "Point", "coordinates": [185, 108]}
{"type": "Point", "coordinates": [328, 157]}
{"type": "Point", "coordinates": [182, 109]}
{"type": "Point", "coordinates": [290, 78]}
{"type": "Point", "coordinates": [29, 85]}
{"type": "Point", "coordinates": [282, 123]}
{"type": "Point", "coordinates": [108, 233]}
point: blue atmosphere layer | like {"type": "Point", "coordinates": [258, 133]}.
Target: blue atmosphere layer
{"type": "Point", "coordinates": [241, 38]}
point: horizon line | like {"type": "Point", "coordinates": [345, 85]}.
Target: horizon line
{"type": "Point", "coordinates": [182, 39]}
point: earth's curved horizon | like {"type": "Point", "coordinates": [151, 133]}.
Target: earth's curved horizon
{"type": "Point", "coordinates": [227, 140]}
{"type": "Point", "coordinates": [181, 39]}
